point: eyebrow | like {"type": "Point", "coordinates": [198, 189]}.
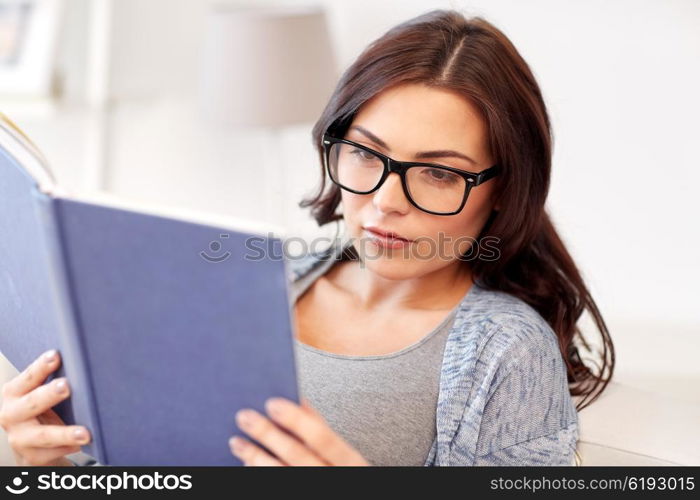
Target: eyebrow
{"type": "Point", "coordinates": [442, 153]}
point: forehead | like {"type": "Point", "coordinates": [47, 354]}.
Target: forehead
{"type": "Point", "coordinates": [416, 117]}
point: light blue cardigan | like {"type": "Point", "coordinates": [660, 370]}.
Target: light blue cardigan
{"type": "Point", "coordinates": [503, 397]}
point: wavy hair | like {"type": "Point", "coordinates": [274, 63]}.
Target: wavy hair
{"type": "Point", "coordinates": [444, 49]}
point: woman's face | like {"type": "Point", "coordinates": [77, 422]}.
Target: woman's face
{"type": "Point", "coordinates": [409, 119]}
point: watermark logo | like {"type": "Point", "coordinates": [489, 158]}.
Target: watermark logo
{"type": "Point", "coordinates": [17, 483]}
{"type": "Point", "coordinates": [215, 247]}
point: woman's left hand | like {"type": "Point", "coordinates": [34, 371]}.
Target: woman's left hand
{"type": "Point", "coordinates": [295, 434]}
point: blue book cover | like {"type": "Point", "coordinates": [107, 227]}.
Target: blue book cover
{"type": "Point", "coordinates": [166, 326]}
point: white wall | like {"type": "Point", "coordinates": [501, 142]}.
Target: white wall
{"type": "Point", "coordinates": [620, 79]}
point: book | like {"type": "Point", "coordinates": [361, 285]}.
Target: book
{"type": "Point", "coordinates": [168, 321]}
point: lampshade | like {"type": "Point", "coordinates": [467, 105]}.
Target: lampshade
{"type": "Point", "coordinates": [266, 66]}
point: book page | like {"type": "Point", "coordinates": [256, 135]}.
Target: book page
{"type": "Point", "coordinates": [24, 151]}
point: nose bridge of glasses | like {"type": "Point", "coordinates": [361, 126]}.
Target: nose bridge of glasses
{"type": "Point", "coordinates": [386, 178]}
{"type": "Point", "coordinates": [396, 166]}
{"type": "Point", "coordinates": [399, 168]}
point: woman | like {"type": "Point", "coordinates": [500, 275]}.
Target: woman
{"type": "Point", "coordinates": [443, 332]}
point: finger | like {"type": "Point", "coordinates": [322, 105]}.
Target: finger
{"type": "Point", "coordinates": [49, 436]}
{"type": "Point", "coordinates": [42, 456]}
{"type": "Point", "coordinates": [280, 443]}
{"type": "Point", "coordinates": [250, 454]}
{"type": "Point", "coordinates": [34, 375]}
{"type": "Point", "coordinates": [36, 401]}
{"type": "Point", "coordinates": [312, 429]}
{"type": "Point", "coordinates": [49, 417]}
{"type": "Point", "coordinates": [306, 405]}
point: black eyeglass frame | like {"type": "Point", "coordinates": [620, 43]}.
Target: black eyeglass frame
{"type": "Point", "coordinates": [400, 167]}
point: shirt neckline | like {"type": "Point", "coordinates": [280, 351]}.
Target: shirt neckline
{"type": "Point", "coordinates": [466, 298]}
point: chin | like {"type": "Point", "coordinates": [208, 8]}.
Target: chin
{"type": "Point", "coordinates": [390, 269]}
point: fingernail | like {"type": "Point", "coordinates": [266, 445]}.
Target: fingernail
{"type": "Point", "coordinates": [274, 406]}
{"type": "Point", "coordinates": [49, 356]}
{"type": "Point", "coordinates": [80, 435]}
{"type": "Point", "coordinates": [244, 417]}
{"type": "Point", "coordinates": [60, 385]}
{"type": "Point", "coordinates": [237, 444]}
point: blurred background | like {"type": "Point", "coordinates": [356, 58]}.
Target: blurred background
{"type": "Point", "coordinates": [209, 105]}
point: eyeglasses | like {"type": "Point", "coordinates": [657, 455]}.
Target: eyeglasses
{"type": "Point", "coordinates": [435, 189]}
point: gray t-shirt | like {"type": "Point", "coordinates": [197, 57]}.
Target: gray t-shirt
{"type": "Point", "coordinates": [383, 405]}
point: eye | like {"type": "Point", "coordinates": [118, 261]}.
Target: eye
{"type": "Point", "coordinates": [362, 154]}
{"type": "Point", "coordinates": [440, 176]}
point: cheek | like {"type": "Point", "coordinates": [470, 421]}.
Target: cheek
{"type": "Point", "coordinates": [450, 237]}
{"type": "Point", "coordinates": [351, 201]}
{"type": "Point", "coordinates": [352, 206]}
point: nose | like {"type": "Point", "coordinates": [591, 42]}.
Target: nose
{"type": "Point", "coordinates": [390, 196]}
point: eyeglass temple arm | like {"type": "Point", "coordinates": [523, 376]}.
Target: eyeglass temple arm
{"type": "Point", "coordinates": [487, 174]}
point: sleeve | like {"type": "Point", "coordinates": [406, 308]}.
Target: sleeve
{"type": "Point", "coordinates": [557, 448]}
{"type": "Point", "coordinates": [82, 459]}
{"type": "Point", "coordinates": [529, 417]}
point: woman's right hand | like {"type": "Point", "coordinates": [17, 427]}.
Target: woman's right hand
{"type": "Point", "coordinates": [36, 434]}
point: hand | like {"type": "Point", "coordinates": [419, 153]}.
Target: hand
{"type": "Point", "coordinates": [312, 441]}
{"type": "Point", "coordinates": [35, 433]}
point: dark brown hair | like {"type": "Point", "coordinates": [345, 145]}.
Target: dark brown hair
{"type": "Point", "coordinates": [470, 56]}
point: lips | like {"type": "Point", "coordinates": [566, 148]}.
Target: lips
{"type": "Point", "coordinates": [385, 233]}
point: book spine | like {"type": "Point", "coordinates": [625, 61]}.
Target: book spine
{"type": "Point", "coordinates": [73, 355]}
{"type": "Point", "coordinates": [290, 277]}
